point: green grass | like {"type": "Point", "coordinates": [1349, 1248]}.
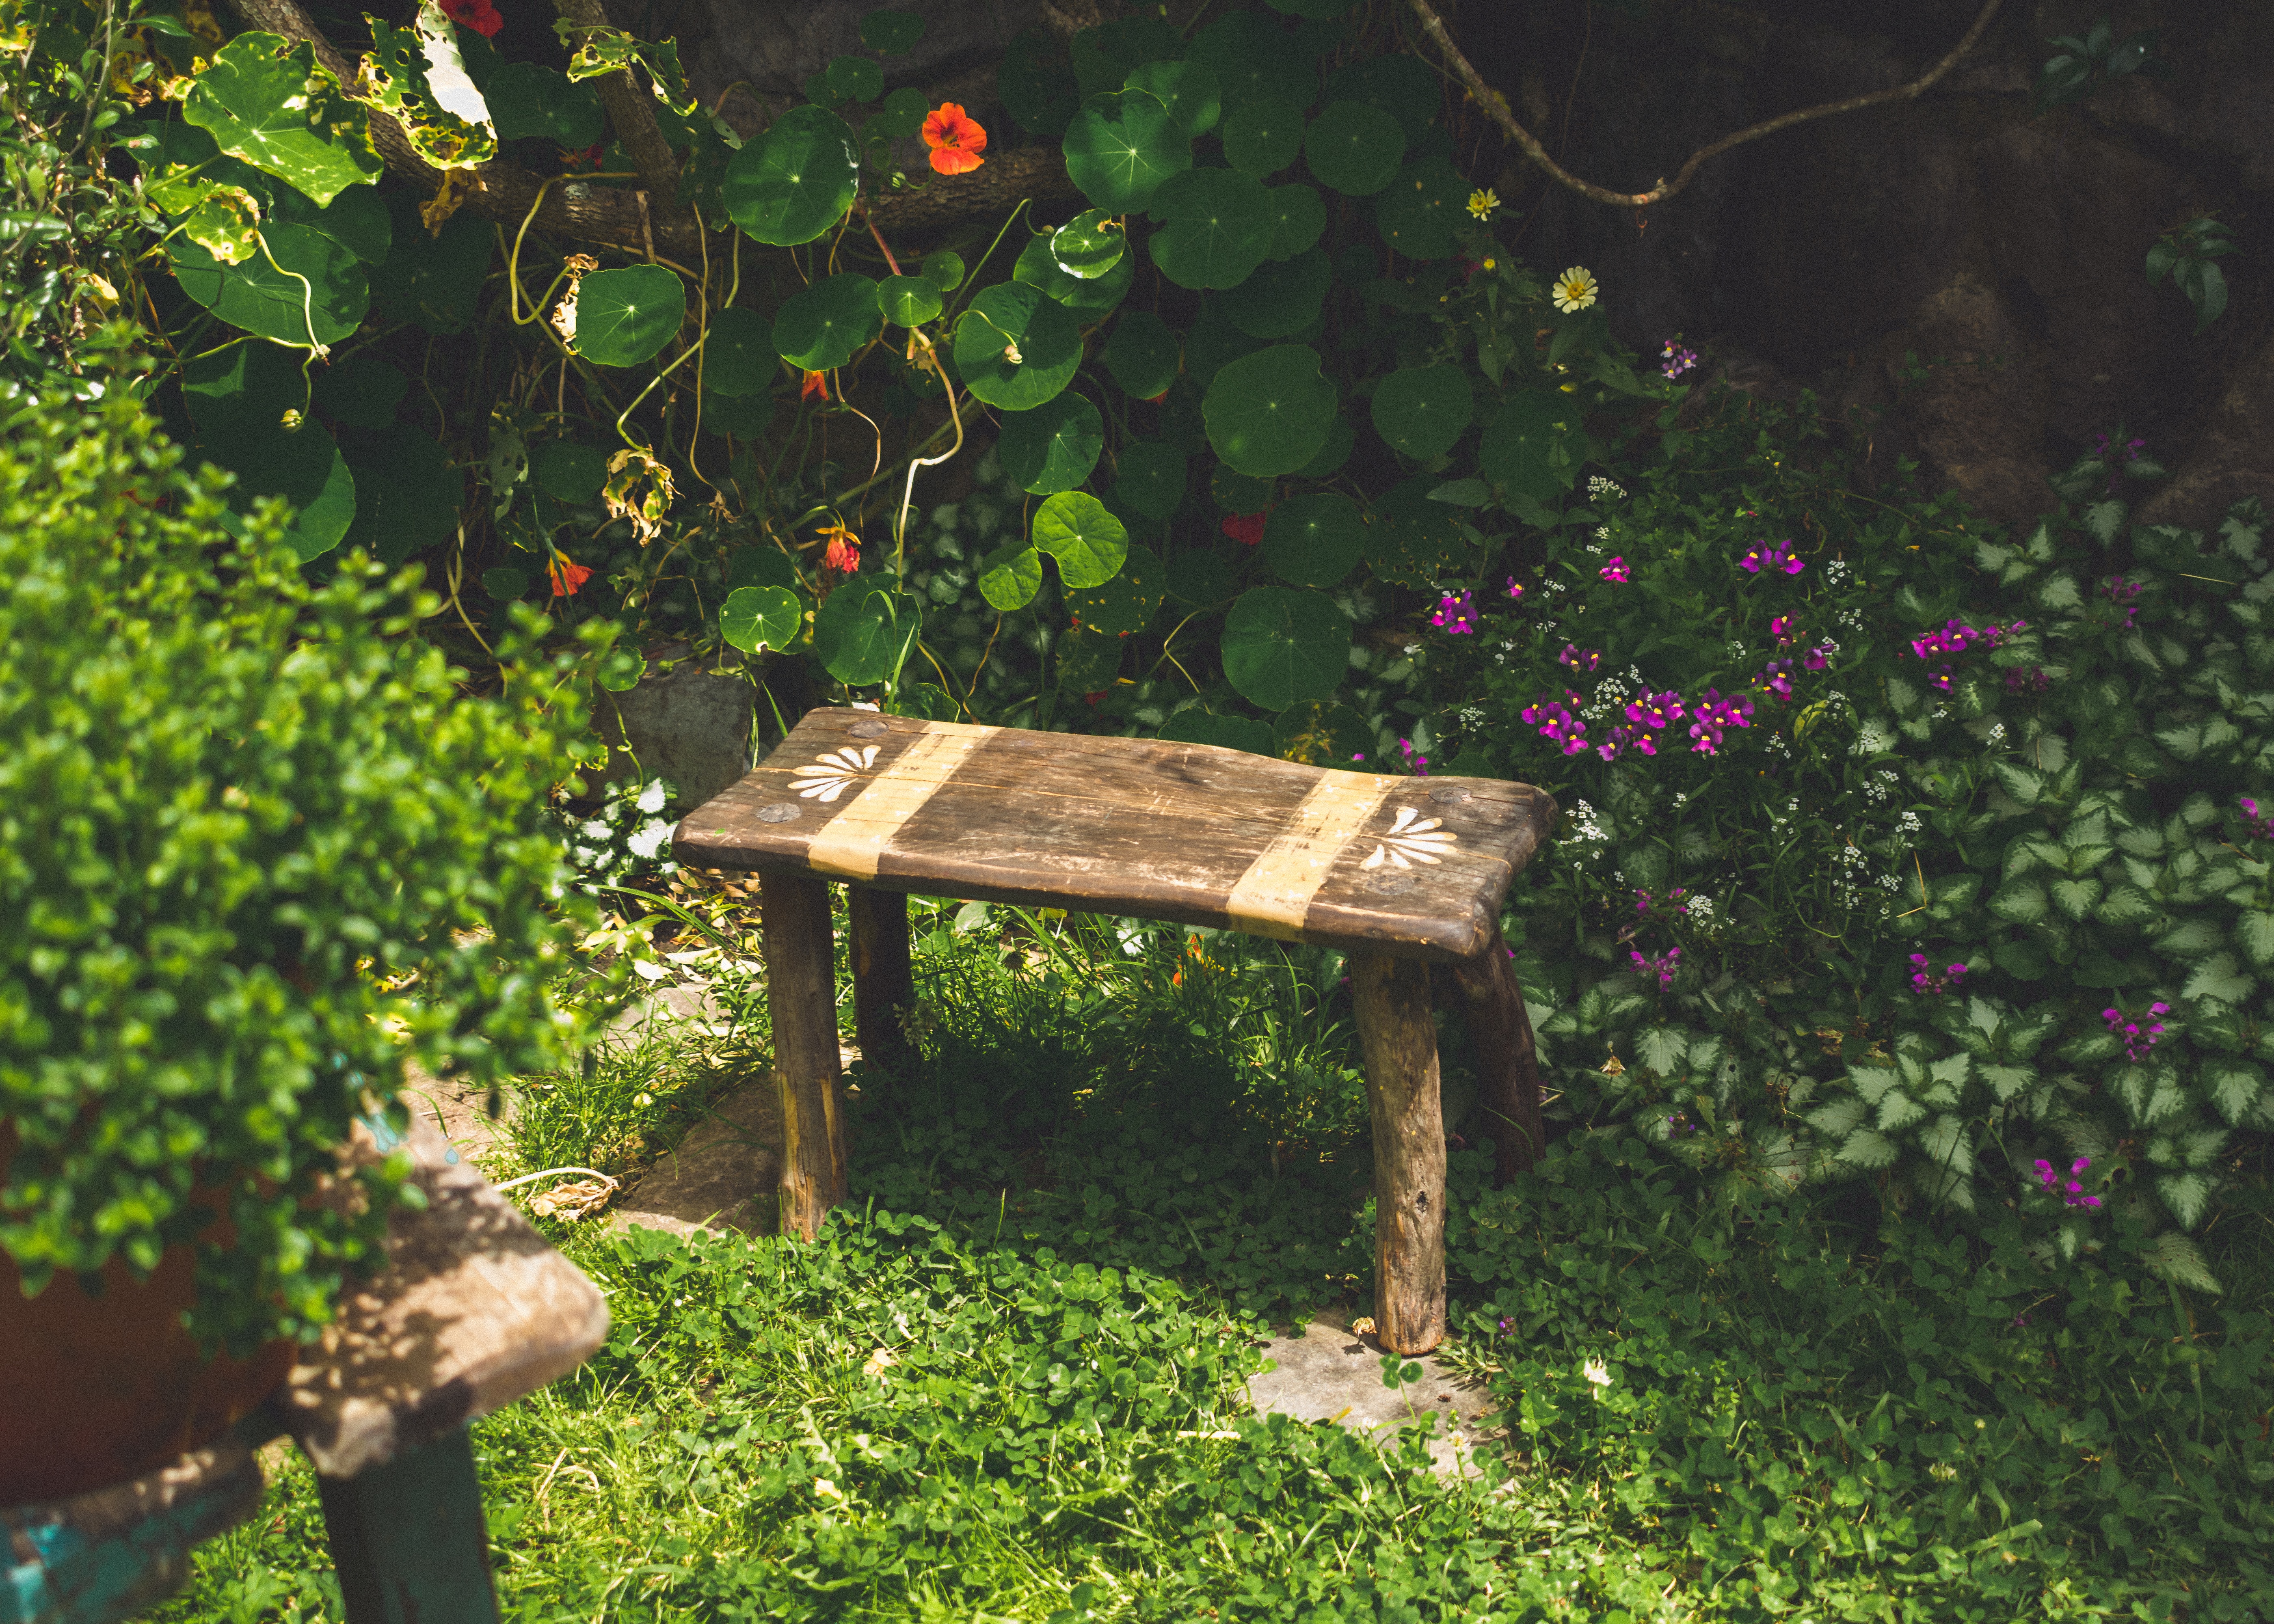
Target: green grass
{"type": "Point", "coordinates": [1070, 1227]}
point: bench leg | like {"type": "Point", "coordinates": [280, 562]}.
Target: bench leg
{"type": "Point", "coordinates": [884, 978]}
{"type": "Point", "coordinates": [802, 993]}
{"type": "Point", "coordinates": [408, 1538]}
{"type": "Point", "coordinates": [1507, 1061]}
{"type": "Point", "coordinates": [1399, 1041]}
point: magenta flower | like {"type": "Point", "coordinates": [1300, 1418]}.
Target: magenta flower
{"type": "Point", "coordinates": [1926, 978]}
{"type": "Point", "coordinates": [2029, 684]}
{"type": "Point", "coordinates": [2137, 1043]}
{"type": "Point", "coordinates": [1715, 717]}
{"type": "Point", "coordinates": [1676, 900]}
{"type": "Point", "coordinates": [2260, 828]}
{"type": "Point", "coordinates": [1952, 639]}
{"type": "Point", "coordinates": [1659, 964]}
{"type": "Point", "coordinates": [1780, 629]}
{"type": "Point", "coordinates": [1514, 591]}
{"type": "Point", "coordinates": [2070, 1190]}
{"type": "Point", "coordinates": [1614, 572]}
{"type": "Point", "coordinates": [2126, 596]}
{"type": "Point", "coordinates": [1656, 709]}
{"type": "Point", "coordinates": [1676, 358]}
{"type": "Point", "coordinates": [1418, 763]}
{"type": "Point", "coordinates": [1775, 556]}
{"type": "Point", "coordinates": [1457, 612]}
{"type": "Point", "coordinates": [1579, 659]}
{"type": "Point", "coordinates": [1625, 739]}
{"type": "Point", "coordinates": [1776, 676]}
{"type": "Point", "coordinates": [1817, 658]}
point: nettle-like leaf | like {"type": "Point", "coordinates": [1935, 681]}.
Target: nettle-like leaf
{"type": "Point", "coordinates": [417, 77]}
{"type": "Point", "coordinates": [265, 100]}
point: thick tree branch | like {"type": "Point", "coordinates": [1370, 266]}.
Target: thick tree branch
{"type": "Point", "coordinates": [633, 114]}
{"type": "Point", "coordinates": [1497, 104]}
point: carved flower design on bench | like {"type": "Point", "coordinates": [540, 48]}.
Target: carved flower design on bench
{"type": "Point", "coordinates": [1412, 838]}
{"type": "Point", "coordinates": [826, 778]}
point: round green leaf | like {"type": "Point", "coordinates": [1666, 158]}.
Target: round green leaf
{"type": "Point", "coordinates": [1188, 89]}
{"type": "Point", "coordinates": [1535, 445]}
{"type": "Point", "coordinates": [1281, 296]}
{"type": "Point", "coordinates": [1284, 648]}
{"type": "Point", "coordinates": [1268, 413]}
{"type": "Point", "coordinates": [1142, 355]}
{"type": "Point", "coordinates": [256, 384]}
{"type": "Point", "coordinates": [1414, 541]}
{"type": "Point", "coordinates": [855, 79]}
{"type": "Point", "coordinates": [1422, 409]}
{"type": "Point", "coordinates": [1298, 219]}
{"type": "Point", "coordinates": [569, 472]}
{"type": "Point", "coordinates": [902, 115]}
{"type": "Point", "coordinates": [1263, 137]}
{"type": "Point", "coordinates": [1034, 85]}
{"type": "Point", "coordinates": [361, 393]}
{"type": "Point", "coordinates": [742, 415]}
{"type": "Point", "coordinates": [944, 269]}
{"type": "Point", "coordinates": [303, 467]}
{"type": "Point", "coordinates": [625, 317]}
{"type": "Point", "coordinates": [738, 356]}
{"type": "Point", "coordinates": [1150, 477]}
{"type": "Point", "coordinates": [1354, 148]}
{"type": "Point", "coordinates": [1404, 87]}
{"type": "Point", "coordinates": [891, 33]}
{"type": "Point", "coordinates": [864, 630]}
{"type": "Point", "coordinates": [1417, 212]}
{"type": "Point", "coordinates": [1121, 145]}
{"type": "Point", "coordinates": [1215, 228]}
{"type": "Point", "coordinates": [761, 617]}
{"type": "Point", "coordinates": [1324, 734]}
{"type": "Point", "coordinates": [406, 493]}
{"type": "Point", "coordinates": [1342, 439]}
{"type": "Point", "coordinates": [909, 301]}
{"type": "Point", "coordinates": [356, 220]}
{"type": "Point", "coordinates": [1314, 540]}
{"type": "Point", "coordinates": [1254, 58]}
{"type": "Point", "coordinates": [795, 181]}
{"type": "Point", "coordinates": [265, 100]}
{"type": "Point", "coordinates": [1201, 579]}
{"type": "Point", "coordinates": [526, 99]}
{"type": "Point", "coordinates": [1105, 55]}
{"type": "Point", "coordinates": [1011, 576]}
{"type": "Point", "coordinates": [506, 583]}
{"type": "Point", "coordinates": [432, 281]}
{"type": "Point", "coordinates": [1225, 733]}
{"type": "Point", "coordinates": [1233, 492]}
{"type": "Point", "coordinates": [1015, 346]}
{"type": "Point", "coordinates": [760, 566]}
{"type": "Point", "coordinates": [1087, 542]}
{"type": "Point", "coordinates": [1124, 604]}
{"type": "Point", "coordinates": [272, 300]}
{"type": "Point", "coordinates": [1089, 245]}
{"type": "Point", "coordinates": [1088, 660]}
{"type": "Point", "coordinates": [822, 326]}
{"type": "Point", "coordinates": [1090, 300]}
{"type": "Point", "coordinates": [1212, 341]}
{"type": "Point", "coordinates": [1053, 446]}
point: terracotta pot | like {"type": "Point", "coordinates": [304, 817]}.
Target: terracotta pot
{"type": "Point", "coordinates": [97, 1390]}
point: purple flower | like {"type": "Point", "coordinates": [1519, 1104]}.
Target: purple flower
{"type": "Point", "coordinates": [1579, 659]}
{"type": "Point", "coordinates": [1625, 739]}
{"type": "Point", "coordinates": [1675, 901]}
{"type": "Point", "coordinates": [1657, 709]}
{"type": "Point", "coordinates": [2126, 596]}
{"type": "Point", "coordinates": [1770, 555]}
{"type": "Point", "coordinates": [1776, 676]}
{"type": "Point", "coordinates": [1677, 360]}
{"type": "Point", "coordinates": [1817, 658]}
{"type": "Point", "coordinates": [1661, 964]}
{"type": "Point", "coordinates": [2261, 828]}
{"type": "Point", "coordinates": [1614, 572]}
{"type": "Point", "coordinates": [1998, 636]}
{"type": "Point", "coordinates": [1457, 612]}
{"type": "Point", "coordinates": [1420, 763]}
{"type": "Point", "coordinates": [2071, 1189]}
{"type": "Point", "coordinates": [1780, 629]}
{"type": "Point", "coordinates": [1952, 639]}
{"type": "Point", "coordinates": [1939, 679]}
{"type": "Point", "coordinates": [2030, 684]}
{"type": "Point", "coordinates": [1514, 591]}
{"type": "Point", "coordinates": [2137, 1043]}
{"type": "Point", "coordinates": [1716, 715]}
{"type": "Point", "coordinates": [1926, 980]}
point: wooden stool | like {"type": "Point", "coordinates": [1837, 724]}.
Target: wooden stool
{"type": "Point", "coordinates": [1400, 874]}
{"type": "Point", "coordinates": [473, 1311]}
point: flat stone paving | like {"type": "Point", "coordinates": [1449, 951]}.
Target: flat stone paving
{"type": "Point", "coordinates": [1325, 1372]}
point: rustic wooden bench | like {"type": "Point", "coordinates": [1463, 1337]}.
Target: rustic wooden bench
{"type": "Point", "coordinates": [473, 1311]}
{"type": "Point", "coordinates": [1400, 874]}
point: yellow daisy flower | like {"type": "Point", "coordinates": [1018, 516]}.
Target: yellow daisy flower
{"type": "Point", "coordinates": [1575, 289]}
{"type": "Point", "coordinates": [1483, 201]}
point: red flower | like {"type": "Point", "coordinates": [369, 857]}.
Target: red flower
{"type": "Point", "coordinates": [1246, 528]}
{"type": "Point", "coordinates": [955, 138]}
{"type": "Point", "coordinates": [567, 577]}
{"type": "Point", "coordinates": [843, 554]}
{"type": "Point", "coordinates": [589, 157]}
{"type": "Point", "coordinates": [816, 383]}
{"type": "Point", "coordinates": [480, 15]}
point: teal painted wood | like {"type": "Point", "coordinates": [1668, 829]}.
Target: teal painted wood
{"type": "Point", "coordinates": [107, 1555]}
{"type": "Point", "coordinates": [408, 1540]}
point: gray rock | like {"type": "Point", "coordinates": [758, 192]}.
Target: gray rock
{"type": "Point", "coordinates": [1324, 1372]}
{"type": "Point", "coordinates": [691, 726]}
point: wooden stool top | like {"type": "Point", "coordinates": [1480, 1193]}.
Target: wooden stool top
{"type": "Point", "coordinates": [1414, 867]}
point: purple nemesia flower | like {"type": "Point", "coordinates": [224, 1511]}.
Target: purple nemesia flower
{"type": "Point", "coordinates": [1780, 629]}
{"type": "Point", "coordinates": [1359, 757]}
{"type": "Point", "coordinates": [2259, 827]}
{"type": "Point", "coordinates": [2071, 1189]}
{"type": "Point", "coordinates": [1656, 709]}
{"type": "Point", "coordinates": [1614, 572]}
{"type": "Point", "coordinates": [1659, 964]}
{"type": "Point", "coordinates": [2132, 450]}
{"type": "Point", "coordinates": [1998, 636]}
{"type": "Point", "coordinates": [2137, 1043]}
{"type": "Point", "coordinates": [1715, 717]}
{"type": "Point", "coordinates": [1926, 978]}
{"type": "Point", "coordinates": [2126, 596]}
{"type": "Point", "coordinates": [1817, 658]}
{"type": "Point", "coordinates": [1776, 676]}
{"type": "Point", "coordinates": [1578, 658]}
{"type": "Point", "coordinates": [1623, 738]}
{"type": "Point", "coordinates": [1514, 591]}
{"type": "Point", "coordinates": [1676, 900]}
{"type": "Point", "coordinates": [1952, 639]}
{"type": "Point", "coordinates": [1770, 555]}
{"type": "Point", "coordinates": [1677, 359]}
{"type": "Point", "coordinates": [1457, 612]}
{"type": "Point", "coordinates": [1939, 678]}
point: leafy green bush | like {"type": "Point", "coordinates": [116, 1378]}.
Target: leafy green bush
{"type": "Point", "coordinates": [256, 847]}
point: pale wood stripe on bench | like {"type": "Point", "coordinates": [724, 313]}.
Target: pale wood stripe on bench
{"type": "Point", "coordinates": [851, 843]}
{"type": "Point", "coordinates": [1273, 897]}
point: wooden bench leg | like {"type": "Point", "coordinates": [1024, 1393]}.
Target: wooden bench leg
{"type": "Point", "coordinates": [1399, 1041]}
{"type": "Point", "coordinates": [802, 993]}
{"type": "Point", "coordinates": [884, 977]}
{"type": "Point", "coordinates": [1508, 1060]}
{"type": "Point", "coordinates": [408, 1538]}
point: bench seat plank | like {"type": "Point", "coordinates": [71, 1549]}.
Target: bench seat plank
{"type": "Point", "coordinates": [1185, 832]}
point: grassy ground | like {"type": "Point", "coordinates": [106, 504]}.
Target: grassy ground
{"type": "Point", "coordinates": [1006, 1383]}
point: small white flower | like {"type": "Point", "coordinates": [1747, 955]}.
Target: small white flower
{"type": "Point", "coordinates": [1597, 1373]}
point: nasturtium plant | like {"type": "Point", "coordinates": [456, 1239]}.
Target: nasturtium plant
{"type": "Point", "coordinates": [267, 100]}
{"type": "Point", "coordinates": [1089, 245]}
{"type": "Point", "coordinates": [909, 301]}
{"type": "Point", "coordinates": [1268, 413]}
{"type": "Point", "coordinates": [526, 99]}
{"type": "Point", "coordinates": [1422, 411]}
{"type": "Point", "coordinates": [1282, 647]}
{"type": "Point", "coordinates": [1189, 90]}
{"type": "Point", "coordinates": [1015, 346]}
{"type": "Point", "coordinates": [1314, 540]}
{"type": "Point", "coordinates": [864, 631]}
{"type": "Point", "coordinates": [1121, 145]}
{"type": "Point", "coordinates": [795, 181]}
{"type": "Point", "coordinates": [625, 317]}
{"type": "Point", "coordinates": [1150, 475]}
{"type": "Point", "coordinates": [1280, 298]}
{"type": "Point", "coordinates": [739, 357]}
{"type": "Point", "coordinates": [761, 617]}
{"type": "Point", "coordinates": [821, 327]}
{"type": "Point", "coordinates": [1215, 228]}
{"type": "Point", "coordinates": [1142, 355]}
{"type": "Point", "coordinates": [1354, 148]}
{"type": "Point", "coordinates": [1087, 542]}
{"type": "Point", "coordinates": [1052, 446]}
{"type": "Point", "coordinates": [298, 286]}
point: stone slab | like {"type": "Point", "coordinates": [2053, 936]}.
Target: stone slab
{"type": "Point", "coordinates": [723, 1176]}
{"type": "Point", "coordinates": [1325, 1372]}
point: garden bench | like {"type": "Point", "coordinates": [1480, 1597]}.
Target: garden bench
{"type": "Point", "coordinates": [473, 1311]}
{"type": "Point", "coordinates": [1400, 874]}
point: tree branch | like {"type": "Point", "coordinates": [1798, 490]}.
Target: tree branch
{"type": "Point", "coordinates": [1497, 104]}
{"type": "Point", "coordinates": [633, 114]}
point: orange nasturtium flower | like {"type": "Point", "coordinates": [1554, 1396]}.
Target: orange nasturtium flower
{"type": "Point", "coordinates": [816, 383]}
{"type": "Point", "coordinates": [843, 554]}
{"type": "Point", "coordinates": [955, 138]}
{"type": "Point", "coordinates": [567, 577]}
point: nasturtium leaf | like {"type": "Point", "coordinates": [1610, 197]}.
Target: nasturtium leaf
{"type": "Point", "coordinates": [760, 566]}
{"type": "Point", "coordinates": [864, 630]}
{"type": "Point", "coordinates": [1263, 137]}
{"type": "Point", "coordinates": [795, 181]}
{"type": "Point", "coordinates": [1354, 148]}
{"type": "Point", "coordinates": [1411, 540]}
{"type": "Point", "coordinates": [855, 79]}
{"type": "Point", "coordinates": [416, 76]}
{"type": "Point", "coordinates": [1104, 56]}
{"type": "Point", "coordinates": [1202, 579]}
{"type": "Point", "coordinates": [1225, 733]}
{"type": "Point", "coordinates": [625, 317]}
{"type": "Point", "coordinates": [817, 88]}
{"type": "Point", "coordinates": [304, 466]}
{"type": "Point", "coordinates": [1035, 85]}
{"type": "Point", "coordinates": [1016, 347]}
{"type": "Point", "coordinates": [1404, 87]}
{"type": "Point", "coordinates": [1535, 445]}
{"type": "Point", "coordinates": [820, 326]}
{"type": "Point", "coordinates": [1298, 219]}
{"type": "Point", "coordinates": [1087, 542]}
{"type": "Point", "coordinates": [1342, 439]}
{"type": "Point", "coordinates": [1188, 89]}
{"type": "Point", "coordinates": [1010, 577]}
{"type": "Point", "coordinates": [1089, 245]}
{"type": "Point", "coordinates": [356, 220]}
{"type": "Point", "coordinates": [902, 114]}
{"type": "Point", "coordinates": [1215, 228]}
{"type": "Point", "coordinates": [1281, 296]}
{"type": "Point", "coordinates": [739, 354]}
{"type": "Point", "coordinates": [1418, 211]}
{"type": "Point", "coordinates": [1121, 145]}
{"type": "Point", "coordinates": [272, 299]}
{"type": "Point", "coordinates": [1324, 733]}
{"type": "Point", "coordinates": [360, 392]}
{"type": "Point", "coordinates": [1233, 492]}
{"type": "Point", "coordinates": [265, 99]}
{"type": "Point", "coordinates": [742, 415]}
{"type": "Point", "coordinates": [761, 617]}
{"type": "Point", "coordinates": [434, 281]}
{"type": "Point", "coordinates": [1422, 409]}
{"type": "Point", "coordinates": [1125, 604]}
{"type": "Point", "coordinates": [505, 584]}
{"type": "Point", "coordinates": [1212, 341]}
{"type": "Point", "coordinates": [1268, 413]}
{"type": "Point", "coordinates": [1253, 57]}
{"type": "Point", "coordinates": [407, 493]}
{"type": "Point", "coordinates": [1179, 420]}
{"type": "Point", "coordinates": [892, 33]}
{"type": "Point", "coordinates": [569, 472]}
{"type": "Point", "coordinates": [1090, 300]}
{"type": "Point", "coordinates": [1281, 647]}
{"type": "Point", "coordinates": [224, 220]}
{"type": "Point", "coordinates": [528, 100]}
{"type": "Point", "coordinates": [1142, 355]}
{"type": "Point", "coordinates": [1088, 660]}
{"type": "Point", "coordinates": [251, 383]}
{"type": "Point", "coordinates": [1139, 526]}
{"type": "Point", "coordinates": [942, 268]}
{"type": "Point", "coordinates": [1150, 477]}
{"type": "Point", "coordinates": [909, 301]}
{"type": "Point", "coordinates": [1052, 446]}
{"type": "Point", "coordinates": [1314, 540]}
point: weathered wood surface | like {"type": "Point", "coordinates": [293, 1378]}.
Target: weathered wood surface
{"type": "Point", "coordinates": [1508, 1058]}
{"type": "Point", "coordinates": [474, 1310]}
{"type": "Point", "coordinates": [1188, 833]}
{"type": "Point", "coordinates": [111, 1553]}
{"type": "Point", "coordinates": [1398, 1039]}
{"type": "Point", "coordinates": [801, 993]}
{"type": "Point", "coordinates": [883, 973]}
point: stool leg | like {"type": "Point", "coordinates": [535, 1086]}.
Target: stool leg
{"type": "Point", "coordinates": [884, 979]}
{"type": "Point", "coordinates": [408, 1538]}
{"type": "Point", "coordinates": [802, 993]}
{"type": "Point", "coordinates": [1508, 1060]}
{"type": "Point", "coordinates": [1399, 1041]}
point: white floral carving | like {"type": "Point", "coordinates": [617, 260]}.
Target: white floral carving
{"type": "Point", "coordinates": [1412, 838]}
{"type": "Point", "coordinates": [826, 778]}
